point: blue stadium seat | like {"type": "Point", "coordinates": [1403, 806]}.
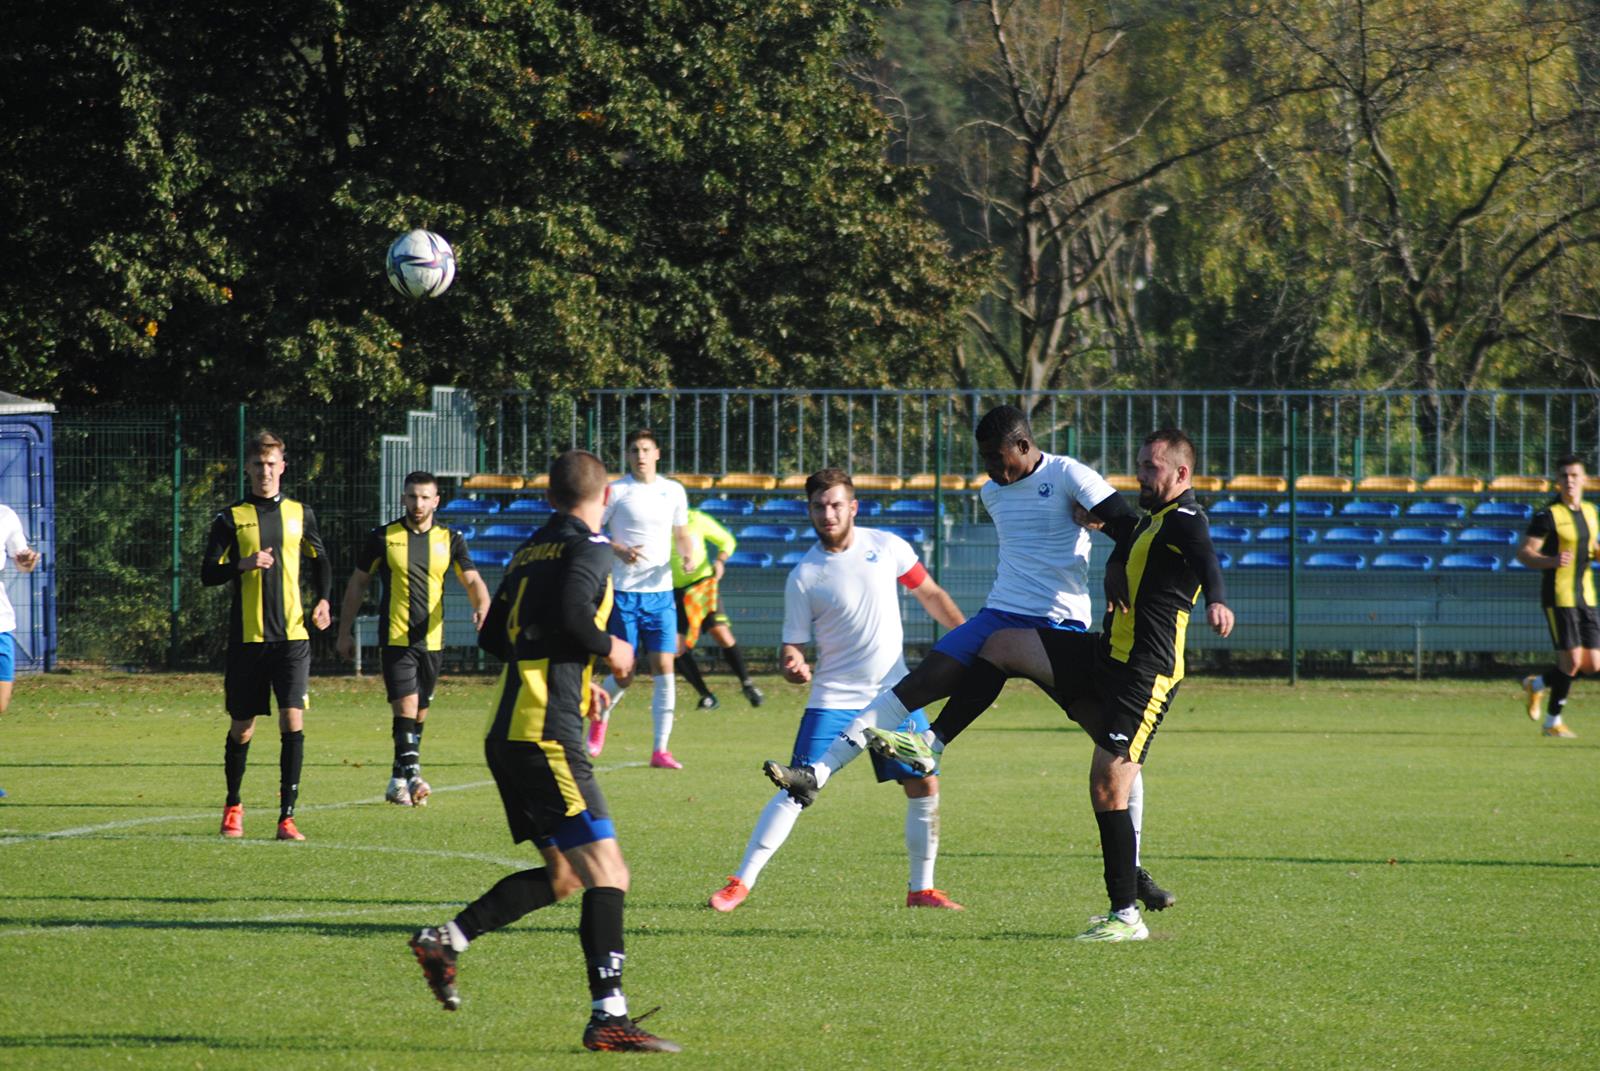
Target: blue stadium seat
{"type": "Point", "coordinates": [791, 558]}
{"type": "Point", "coordinates": [471, 505]}
{"type": "Point", "coordinates": [920, 507]}
{"type": "Point", "coordinates": [1400, 559]}
{"type": "Point", "coordinates": [1306, 508]}
{"type": "Point", "coordinates": [1334, 559]}
{"type": "Point", "coordinates": [1237, 507]}
{"type": "Point", "coordinates": [1433, 537]}
{"type": "Point", "coordinates": [466, 531]}
{"type": "Point", "coordinates": [783, 507]}
{"type": "Point", "coordinates": [1357, 508]}
{"type": "Point", "coordinates": [515, 533]}
{"type": "Point", "coordinates": [781, 533]}
{"type": "Point", "coordinates": [1499, 537]}
{"type": "Point", "coordinates": [1224, 559]}
{"type": "Point", "coordinates": [868, 507]}
{"type": "Point", "coordinates": [1431, 508]}
{"type": "Point", "coordinates": [1477, 563]}
{"type": "Point", "coordinates": [909, 533]}
{"type": "Point", "coordinates": [727, 507]}
{"type": "Point", "coordinates": [1264, 559]}
{"type": "Point", "coordinates": [1505, 511]}
{"type": "Point", "coordinates": [1366, 537]}
{"type": "Point", "coordinates": [528, 505]}
{"type": "Point", "coordinates": [488, 556]}
{"type": "Point", "coordinates": [1229, 533]}
{"type": "Point", "coordinates": [1279, 533]}
{"type": "Point", "coordinates": [750, 559]}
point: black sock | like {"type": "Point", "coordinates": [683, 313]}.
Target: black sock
{"type": "Point", "coordinates": [291, 756]}
{"type": "Point", "coordinates": [735, 659]}
{"type": "Point", "coordinates": [980, 686]}
{"type": "Point", "coordinates": [234, 755]}
{"type": "Point", "coordinates": [600, 932]}
{"type": "Point", "coordinates": [1117, 847]}
{"type": "Point", "coordinates": [1560, 684]}
{"type": "Point", "coordinates": [686, 665]}
{"type": "Point", "coordinates": [407, 739]}
{"type": "Point", "coordinates": [512, 897]}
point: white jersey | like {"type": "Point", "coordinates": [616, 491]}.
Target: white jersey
{"type": "Point", "coordinates": [848, 605]}
{"type": "Point", "coordinates": [1044, 556]}
{"type": "Point", "coordinates": [12, 540]}
{"type": "Point", "coordinates": [643, 515]}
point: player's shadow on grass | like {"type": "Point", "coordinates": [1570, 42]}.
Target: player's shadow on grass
{"type": "Point", "coordinates": [309, 926]}
{"type": "Point", "coordinates": [124, 1040]}
{"type": "Point", "coordinates": [355, 901]}
{"type": "Point", "coordinates": [1186, 730]}
{"type": "Point", "coordinates": [1300, 860]}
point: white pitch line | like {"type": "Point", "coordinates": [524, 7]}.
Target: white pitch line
{"type": "Point", "coordinates": [133, 823]}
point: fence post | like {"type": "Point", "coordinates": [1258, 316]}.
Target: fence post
{"type": "Point", "coordinates": [238, 451]}
{"type": "Point", "coordinates": [1294, 547]}
{"type": "Point", "coordinates": [175, 606]}
{"type": "Point", "coordinates": [938, 502]}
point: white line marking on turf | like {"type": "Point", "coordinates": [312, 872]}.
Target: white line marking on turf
{"type": "Point", "coordinates": [132, 823]}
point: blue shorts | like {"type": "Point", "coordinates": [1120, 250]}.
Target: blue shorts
{"type": "Point", "coordinates": [8, 657]}
{"type": "Point", "coordinates": [965, 641]}
{"type": "Point", "coordinates": [648, 620]}
{"type": "Point", "coordinates": [819, 728]}
{"type": "Point", "coordinates": [581, 829]}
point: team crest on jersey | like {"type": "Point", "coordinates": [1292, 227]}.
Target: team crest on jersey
{"type": "Point", "coordinates": [1046, 490]}
{"type": "Point", "coordinates": [872, 555]}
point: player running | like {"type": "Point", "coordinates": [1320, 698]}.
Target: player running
{"type": "Point", "coordinates": [1561, 542]}
{"type": "Point", "coordinates": [842, 598]}
{"type": "Point", "coordinates": [1117, 684]}
{"type": "Point", "coordinates": [545, 623]}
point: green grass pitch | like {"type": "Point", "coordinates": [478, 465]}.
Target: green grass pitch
{"type": "Point", "coordinates": [1370, 875]}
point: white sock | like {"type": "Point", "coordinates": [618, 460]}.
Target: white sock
{"type": "Point", "coordinates": [1136, 811]}
{"type": "Point", "coordinates": [1130, 915]}
{"type": "Point", "coordinates": [453, 934]}
{"type": "Point", "coordinates": [663, 698]}
{"type": "Point", "coordinates": [615, 691]}
{"type": "Point", "coordinates": [1552, 720]}
{"type": "Point", "coordinates": [933, 741]}
{"type": "Point", "coordinates": [616, 1004]}
{"type": "Point", "coordinates": [885, 712]}
{"type": "Point", "coordinates": [772, 829]}
{"type": "Point", "coordinates": [922, 840]}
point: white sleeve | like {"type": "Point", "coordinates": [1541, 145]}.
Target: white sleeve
{"type": "Point", "coordinates": [680, 508]}
{"type": "Point", "coordinates": [901, 556]}
{"type": "Point", "coordinates": [11, 531]}
{"type": "Point", "coordinates": [796, 611]}
{"type": "Point", "coordinates": [1088, 486]}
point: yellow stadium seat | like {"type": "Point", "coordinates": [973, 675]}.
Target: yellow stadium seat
{"type": "Point", "coordinates": [537, 482]}
{"type": "Point", "coordinates": [1468, 485]}
{"type": "Point", "coordinates": [698, 481]}
{"type": "Point", "coordinates": [1258, 483]}
{"type": "Point", "coordinates": [795, 481]}
{"type": "Point", "coordinates": [746, 481]}
{"type": "Point", "coordinates": [1520, 485]}
{"type": "Point", "coordinates": [1206, 483]}
{"type": "Point", "coordinates": [1387, 485]}
{"type": "Point", "coordinates": [875, 481]}
{"type": "Point", "coordinates": [976, 481]}
{"type": "Point", "coordinates": [925, 481]}
{"type": "Point", "coordinates": [1308, 482]}
{"type": "Point", "coordinates": [492, 481]}
{"type": "Point", "coordinates": [1123, 482]}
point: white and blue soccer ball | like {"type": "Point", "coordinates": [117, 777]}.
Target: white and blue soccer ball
{"type": "Point", "coordinates": [420, 264]}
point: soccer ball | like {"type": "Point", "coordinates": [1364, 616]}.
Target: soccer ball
{"type": "Point", "coordinates": [421, 264]}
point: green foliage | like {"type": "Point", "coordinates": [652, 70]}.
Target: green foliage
{"type": "Point", "coordinates": [638, 193]}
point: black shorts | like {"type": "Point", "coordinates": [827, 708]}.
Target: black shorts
{"type": "Point", "coordinates": [1573, 626]}
{"type": "Point", "coordinates": [411, 671]}
{"type": "Point", "coordinates": [1119, 708]}
{"type": "Point", "coordinates": [259, 672]}
{"type": "Point", "coordinates": [541, 791]}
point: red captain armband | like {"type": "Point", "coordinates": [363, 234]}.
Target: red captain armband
{"type": "Point", "coordinates": [914, 576]}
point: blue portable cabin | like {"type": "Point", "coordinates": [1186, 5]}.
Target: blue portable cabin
{"type": "Point", "coordinates": [28, 486]}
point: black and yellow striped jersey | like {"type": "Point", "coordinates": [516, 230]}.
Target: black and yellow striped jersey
{"type": "Point", "coordinates": [1564, 527]}
{"type": "Point", "coordinates": [412, 566]}
{"type": "Point", "coordinates": [1169, 560]}
{"type": "Point", "coordinates": [267, 605]}
{"type": "Point", "coordinates": [547, 622]}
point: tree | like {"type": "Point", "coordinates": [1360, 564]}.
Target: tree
{"type": "Point", "coordinates": [667, 193]}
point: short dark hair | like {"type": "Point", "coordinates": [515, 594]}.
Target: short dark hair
{"type": "Point", "coordinates": [421, 477]}
{"type": "Point", "coordinates": [261, 442]}
{"type": "Point", "coordinates": [575, 477]}
{"type": "Point", "coordinates": [1177, 441]}
{"type": "Point", "coordinates": [643, 433]}
{"type": "Point", "coordinates": [823, 479]}
{"type": "Point", "coordinates": [1570, 459]}
{"type": "Point", "coordinates": [1002, 425]}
